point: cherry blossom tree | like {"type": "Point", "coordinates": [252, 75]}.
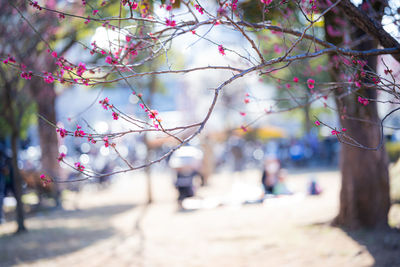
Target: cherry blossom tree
{"type": "Point", "coordinates": [273, 40]}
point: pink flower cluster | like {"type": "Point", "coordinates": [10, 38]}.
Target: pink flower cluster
{"type": "Point", "coordinates": [61, 157]}
{"type": "Point", "coordinates": [91, 140]}
{"type": "Point", "coordinates": [105, 103]}
{"type": "Point", "coordinates": [48, 77]}
{"type": "Point", "coordinates": [79, 166]}
{"type": "Point", "coordinates": [9, 59]}
{"type": "Point", "coordinates": [115, 115]}
{"type": "Point", "coordinates": [26, 75]}
{"type": "Point", "coordinates": [170, 23]}
{"type": "Point", "coordinates": [79, 132]}
{"type": "Point", "coordinates": [45, 181]}
{"type": "Point", "coordinates": [199, 9]}
{"type": "Point", "coordinates": [221, 50]}
{"type": "Point", "coordinates": [111, 60]}
{"type": "Point", "coordinates": [363, 101]}
{"type": "Point", "coordinates": [266, 2]}
{"type": "Point", "coordinates": [35, 4]}
{"type": "Point", "coordinates": [152, 115]}
{"type": "Point", "coordinates": [310, 83]}
{"type": "Point", "coordinates": [80, 69]}
{"type": "Point", "coordinates": [62, 132]}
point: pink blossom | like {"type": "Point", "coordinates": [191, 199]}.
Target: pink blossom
{"type": "Point", "coordinates": [61, 157]}
{"type": "Point", "coordinates": [344, 129]}
{"type": "Point", "coordinates": [35, 5]}
{"type": "Point", "coordinates": [152, 114]}
{"type": "Point", "coordinates": [295, 79]}
{"type": "Point", "coordinates": [115, 115]}
{"type": "Point", "coordinates": [246, 100]}
{"type": "Point", "coordinates": [81, 69]}
{"type": "Point", "coordinates": [48, 78]}
{"type": "Point", "coordinates": [317, 123]}
{"type": "Point", "coordinates": [242, 113]}
{"type": "Point", "coordinates": [267, 2]}
{"type": "Point", "coordinates": [334, 132]}
{"type": "Point", "coordinates": [54, 54]}
{"type": "Point", "coordinates": [310, 83]}
{"type": "Point", "coordinates": [79, 166]}
{"type": "Point", "coordinates": [26, 75]}
{"type": "Point", "coordinates": [44, 180]}
{"type": "Point", "coordinates": [199, 9]}
{"type": "Point", "coordinates": [90, 139]}
{"type": "Point", "coordinates": [221, 50]}
{"type": "Point", "coordinates": [78, 132]}
{"type": "Point", "coordinates": [363, 101]}
{"type": "Point", "coordinates": [244, 128]}
{"type": "Point", "coordinates": [387, 71]}
{"type": "Point", "coordinates": [110, 60]}
{"type": "Point", "coordinates": [105, 103]}
{"type": "Point", "coordinates": [106, 143]}
{"type": "Point", "coordinates": [171, 23]}
{"type": "Point", "coordinates": [62, 132]}
{"type": "Point", "coordinates": [95, 12]}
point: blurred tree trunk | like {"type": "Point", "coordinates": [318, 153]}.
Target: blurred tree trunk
{"type": "Point", "coordinates": [364, 195]}
{"type": "Point", "coordinates": [45, 98]}
{"type": "Point", "coordinates": [12, 117]}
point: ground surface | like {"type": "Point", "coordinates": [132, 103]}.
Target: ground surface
{"type": "Point", "coordinates": [112, 227]}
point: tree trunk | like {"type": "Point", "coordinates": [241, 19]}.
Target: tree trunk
{"type": "Point", "coordinates": [364, 196]}
{"type": "Point", "coordinates": [15, 175]}
{"type": "Point", "coordinates": [45, 97]}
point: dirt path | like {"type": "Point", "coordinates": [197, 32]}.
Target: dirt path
{"type": "Point", "coordinates": [112, 228]}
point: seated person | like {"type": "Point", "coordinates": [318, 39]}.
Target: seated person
{"type": "Point", "coordinates": [270, 174]}
{"type": "Point", "coordinates": [280, 187]}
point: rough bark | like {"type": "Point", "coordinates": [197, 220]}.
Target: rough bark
{"type": "Point", "coordinates": [364, 196]}
{"type": "Point", "coordinates": [366, 23]}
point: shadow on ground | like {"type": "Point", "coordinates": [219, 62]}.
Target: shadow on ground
{"type": "Point", "coordinates": [51, 213]}
{"type": "Point", "coordinates": [383, 245]}
{"type": "Point", "coordinates": [41, 241]}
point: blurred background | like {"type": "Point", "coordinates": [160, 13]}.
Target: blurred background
{"type": "Point", "coordinates": [257, 187]}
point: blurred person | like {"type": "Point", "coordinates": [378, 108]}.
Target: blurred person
{"type": "Point", "coordinates": [3, 172]}
{"type": "Point", "coordinates": [270, 175]}
{"type": "Point", "coordinates": [6, 181]}
{"type": "Point", "coordinates": [280, 187]}
{"type": "Point", "coordinates": [313, 187]}
{"type": "Point", "coordinates": [186, 162]}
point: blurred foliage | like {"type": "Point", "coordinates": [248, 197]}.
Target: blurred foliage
{"type": "Point", "coordinates": [393, 149]}
{"type": "Point", "coordinates": [24, 108]}
{"type": "Point", "coordinates": [394, 172]}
